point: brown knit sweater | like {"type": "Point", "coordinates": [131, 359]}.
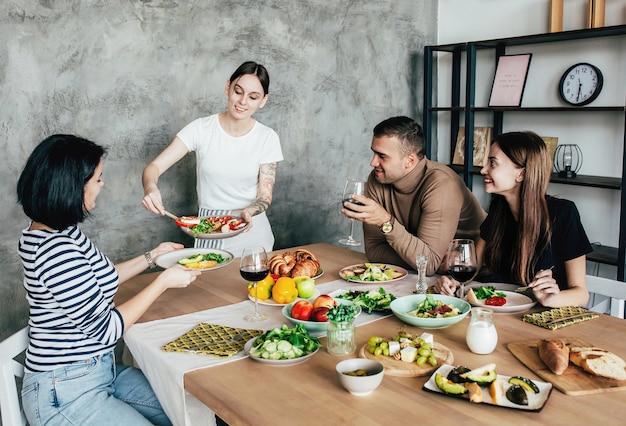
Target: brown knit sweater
{"type": "Point", "coordinates": [431, 206]}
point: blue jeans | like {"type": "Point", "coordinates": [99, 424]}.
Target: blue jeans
{"type": "Point", "coordinates": [91, 392]}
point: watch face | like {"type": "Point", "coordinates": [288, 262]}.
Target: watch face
{"type": "Point", "coordinates": [581, 84]}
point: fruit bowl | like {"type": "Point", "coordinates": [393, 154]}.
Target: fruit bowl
{"type": "Point", "coordinates": [405, 304]}
{"type": "Point", "coordinates": [360, 385]}
{"type": "Point", "coordinates": [316, 326]}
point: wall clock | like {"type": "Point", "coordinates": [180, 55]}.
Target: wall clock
{"type": "Point", "coordinates": [581, 84]}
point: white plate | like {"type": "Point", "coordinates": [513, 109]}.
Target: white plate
{"type": "Point", "coordinates": [170, 259]}
{"type": "Point", "coordinates": [395, 268]}
{"type": "Point", "coordinates": [277, 362]}
{"type": "Point", "coordinates": [515, 302]}
{"type": "Point", "coordinates": [535, 402]}
{"type": "Point", "coordinates": [271, 302]}
{"type": "Point", "coordinates": [215, 235]}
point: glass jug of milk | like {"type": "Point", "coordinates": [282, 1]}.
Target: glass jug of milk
{"type": "Point", "coordinates": [481, 336]}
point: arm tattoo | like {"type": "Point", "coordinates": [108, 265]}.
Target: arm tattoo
{"type": "Point", "coordinates": [267, 178]}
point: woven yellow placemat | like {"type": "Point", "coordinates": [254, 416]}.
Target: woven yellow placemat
{"type": "Point", "coordinates": [560, 317]}
{"type": "Point", "coordinates": [213, 340]}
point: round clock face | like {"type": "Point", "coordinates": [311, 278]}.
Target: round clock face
{"type": "Point", "coordinates": [581, 84]}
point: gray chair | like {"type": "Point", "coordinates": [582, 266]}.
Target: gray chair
{"type": "Point", "coordinates": [10, 408]}
{"type": "Point", "coordinates": [606, 295]}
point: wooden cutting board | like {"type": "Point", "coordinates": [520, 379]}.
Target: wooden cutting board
{"type": "Point", "coordinates": [394, 367]}
{"type": "Point", "coordinates": [574, 381]}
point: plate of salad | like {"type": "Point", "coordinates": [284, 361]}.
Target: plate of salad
{"type": "Point", "coordinates": [283, 346]}
{"type": "Point", "coordinates": [212, 227]}
{"type": "Point", "coordinates": [495, 297]}
{"type": "Point", "coordinates": [202, 259]}
{"type": "Point", "coordinates": [370, 300]}
{"type": "Point", "coordinates": [367, 273]}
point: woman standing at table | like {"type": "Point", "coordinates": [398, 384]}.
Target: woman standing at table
{"type": "Point", "coordinates": [529, 237]}
{"type": "Point", "coordinates": [236, 159]}
{"type": "Point", "coordinates": [70, 372]}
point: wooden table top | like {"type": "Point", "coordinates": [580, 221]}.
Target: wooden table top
{"type": "Point", "coordinates": [246, 392]}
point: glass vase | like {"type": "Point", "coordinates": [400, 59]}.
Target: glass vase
{"type": "Point", "coordinates": [341, 338]}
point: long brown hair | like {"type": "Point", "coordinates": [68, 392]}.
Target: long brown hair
{"type": "Point", "coordinates": [528, 151]}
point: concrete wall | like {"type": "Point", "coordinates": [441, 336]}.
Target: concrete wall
{"type": "Point", "coordinates": [130, 74]}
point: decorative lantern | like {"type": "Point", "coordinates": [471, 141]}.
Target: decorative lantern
{"type": "Point", "coordinates": [567, 160]}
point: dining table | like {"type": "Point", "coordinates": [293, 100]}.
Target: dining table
{"type": "Point", "coordinates": [244, 391]}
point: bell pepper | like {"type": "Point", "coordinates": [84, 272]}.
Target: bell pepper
{"type": "Point", "coordinates": [263, 288]}
{"type": "Point", "coordinates": [285, 290]}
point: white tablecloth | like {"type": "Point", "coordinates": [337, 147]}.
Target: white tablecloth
{"type": "Point", "coordinates": [165, 370]}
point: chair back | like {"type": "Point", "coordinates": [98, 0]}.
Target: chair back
{"type": "Point", "coordinates": [10, 408]}
{"type": "Point", "coordinates": [614, 293]}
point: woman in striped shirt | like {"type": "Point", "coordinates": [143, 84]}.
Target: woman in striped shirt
{"type": "Point", "coordinates": [70, 372]}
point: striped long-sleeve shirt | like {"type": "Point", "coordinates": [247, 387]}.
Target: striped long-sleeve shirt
{"type": "Point", "coordinates": [70, 287]}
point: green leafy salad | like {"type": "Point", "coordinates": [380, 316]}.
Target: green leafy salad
{"type": "Point", "coordinates": [432, 308]}
{"type": "Point", "coordinates": [485, 292]}
{"type": "Point", "coordinates": [370, 300]}
{"type": "Point", "coordinates": [284, 343]}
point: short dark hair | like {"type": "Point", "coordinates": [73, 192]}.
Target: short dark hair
{"type": "Point", "coordinates": [259, 70]}
{"type": "Point", "coordinates": [51, 186]}
{"type": "Point", "coordinates": [406, 130]}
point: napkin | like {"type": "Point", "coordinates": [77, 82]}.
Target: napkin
{"type": "Point", "coordinates": [213, 340]}
{"type": "Point", "coordinates": [560, 317]}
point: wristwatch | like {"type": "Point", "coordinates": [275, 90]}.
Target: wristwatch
{"type": "Point", "coordinates": [387, 227]}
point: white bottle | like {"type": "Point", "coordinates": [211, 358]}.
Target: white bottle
{"type": "Point", "coordinates": [481, 336]}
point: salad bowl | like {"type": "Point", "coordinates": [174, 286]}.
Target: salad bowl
{"type": "Point", "coordinates": [403, 305]}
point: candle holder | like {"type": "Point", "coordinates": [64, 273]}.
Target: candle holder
{"type": "Point", "coordinates": [567, 160]}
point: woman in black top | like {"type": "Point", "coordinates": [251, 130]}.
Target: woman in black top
{"type": "Point", "coordinates": [528, 237]}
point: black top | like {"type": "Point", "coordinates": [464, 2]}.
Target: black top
{"type": "Point", "coordinates": [568, 242]}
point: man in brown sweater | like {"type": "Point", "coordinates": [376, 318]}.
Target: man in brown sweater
{"type": "Point", "coordinates": [412, 205]}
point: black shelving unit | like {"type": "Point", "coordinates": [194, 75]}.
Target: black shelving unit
{"type": "Point", "coordinates": [466, 111]}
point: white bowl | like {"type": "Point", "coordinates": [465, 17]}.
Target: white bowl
{"type": "Point", "coordinates": [405, 304]}
{"type": "Point", "coordinates": [360, 385]}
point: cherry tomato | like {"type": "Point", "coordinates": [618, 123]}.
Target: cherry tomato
{"type": "Point", "coordinates": [495, 301]}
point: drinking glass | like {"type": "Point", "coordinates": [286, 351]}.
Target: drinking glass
{"type": "Point", "coordinates": [352, 186]}
{"type": "Point", "coordinates": [254, 267]}
{"type": "Point", "coordinates": [462, 263]}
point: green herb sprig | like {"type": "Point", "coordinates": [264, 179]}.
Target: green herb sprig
{"type": "Point", "coordinates": [341, 313]}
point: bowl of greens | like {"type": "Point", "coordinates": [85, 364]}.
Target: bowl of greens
{"type": "Point", "coordinates": [430, 310]}
{"type": "Point", "coordinates": [283, 346]}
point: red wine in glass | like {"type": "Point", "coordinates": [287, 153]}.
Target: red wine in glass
{"type": "Point", "coordinates": [462, 274]}
{"type": "Point", "coordinates": [250, 273]}
{"type": "Point", "coordinates": [353, 186]}
{"type": "Point", "coordinates": [350, 200]}
{"type": "Point", "coordinates": [254, 267]}
{"type": "Point", "coordinates": [462, 263]}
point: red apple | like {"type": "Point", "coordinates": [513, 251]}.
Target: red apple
{"type": "Point", "coordinates": [324, 301]}
{"type": "Point", "coordinates": [302, 310]}
{"type": "Point", "coordinates": [320, 314]}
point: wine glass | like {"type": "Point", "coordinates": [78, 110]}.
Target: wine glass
{"type": "Point", "coordinates": [462, 263]}
{"type": "Point", "coordinates": [254, 267]}
{"type": "Point", "coordinates": [352, 186]}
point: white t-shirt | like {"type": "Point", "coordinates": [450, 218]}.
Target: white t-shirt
{"type": "Point", "coordinates": [227, 173]}
{"type": "Point", "coordinates": [227, 167]}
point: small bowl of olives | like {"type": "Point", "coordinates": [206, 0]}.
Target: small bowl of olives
{"type": "Point", "coordinates": [360, 376]}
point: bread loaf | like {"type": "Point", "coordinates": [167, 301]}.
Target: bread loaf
{"type": "Point", "coordinates": [599, 362]}
{"type": "Point", "coordinates": [555, 354]}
